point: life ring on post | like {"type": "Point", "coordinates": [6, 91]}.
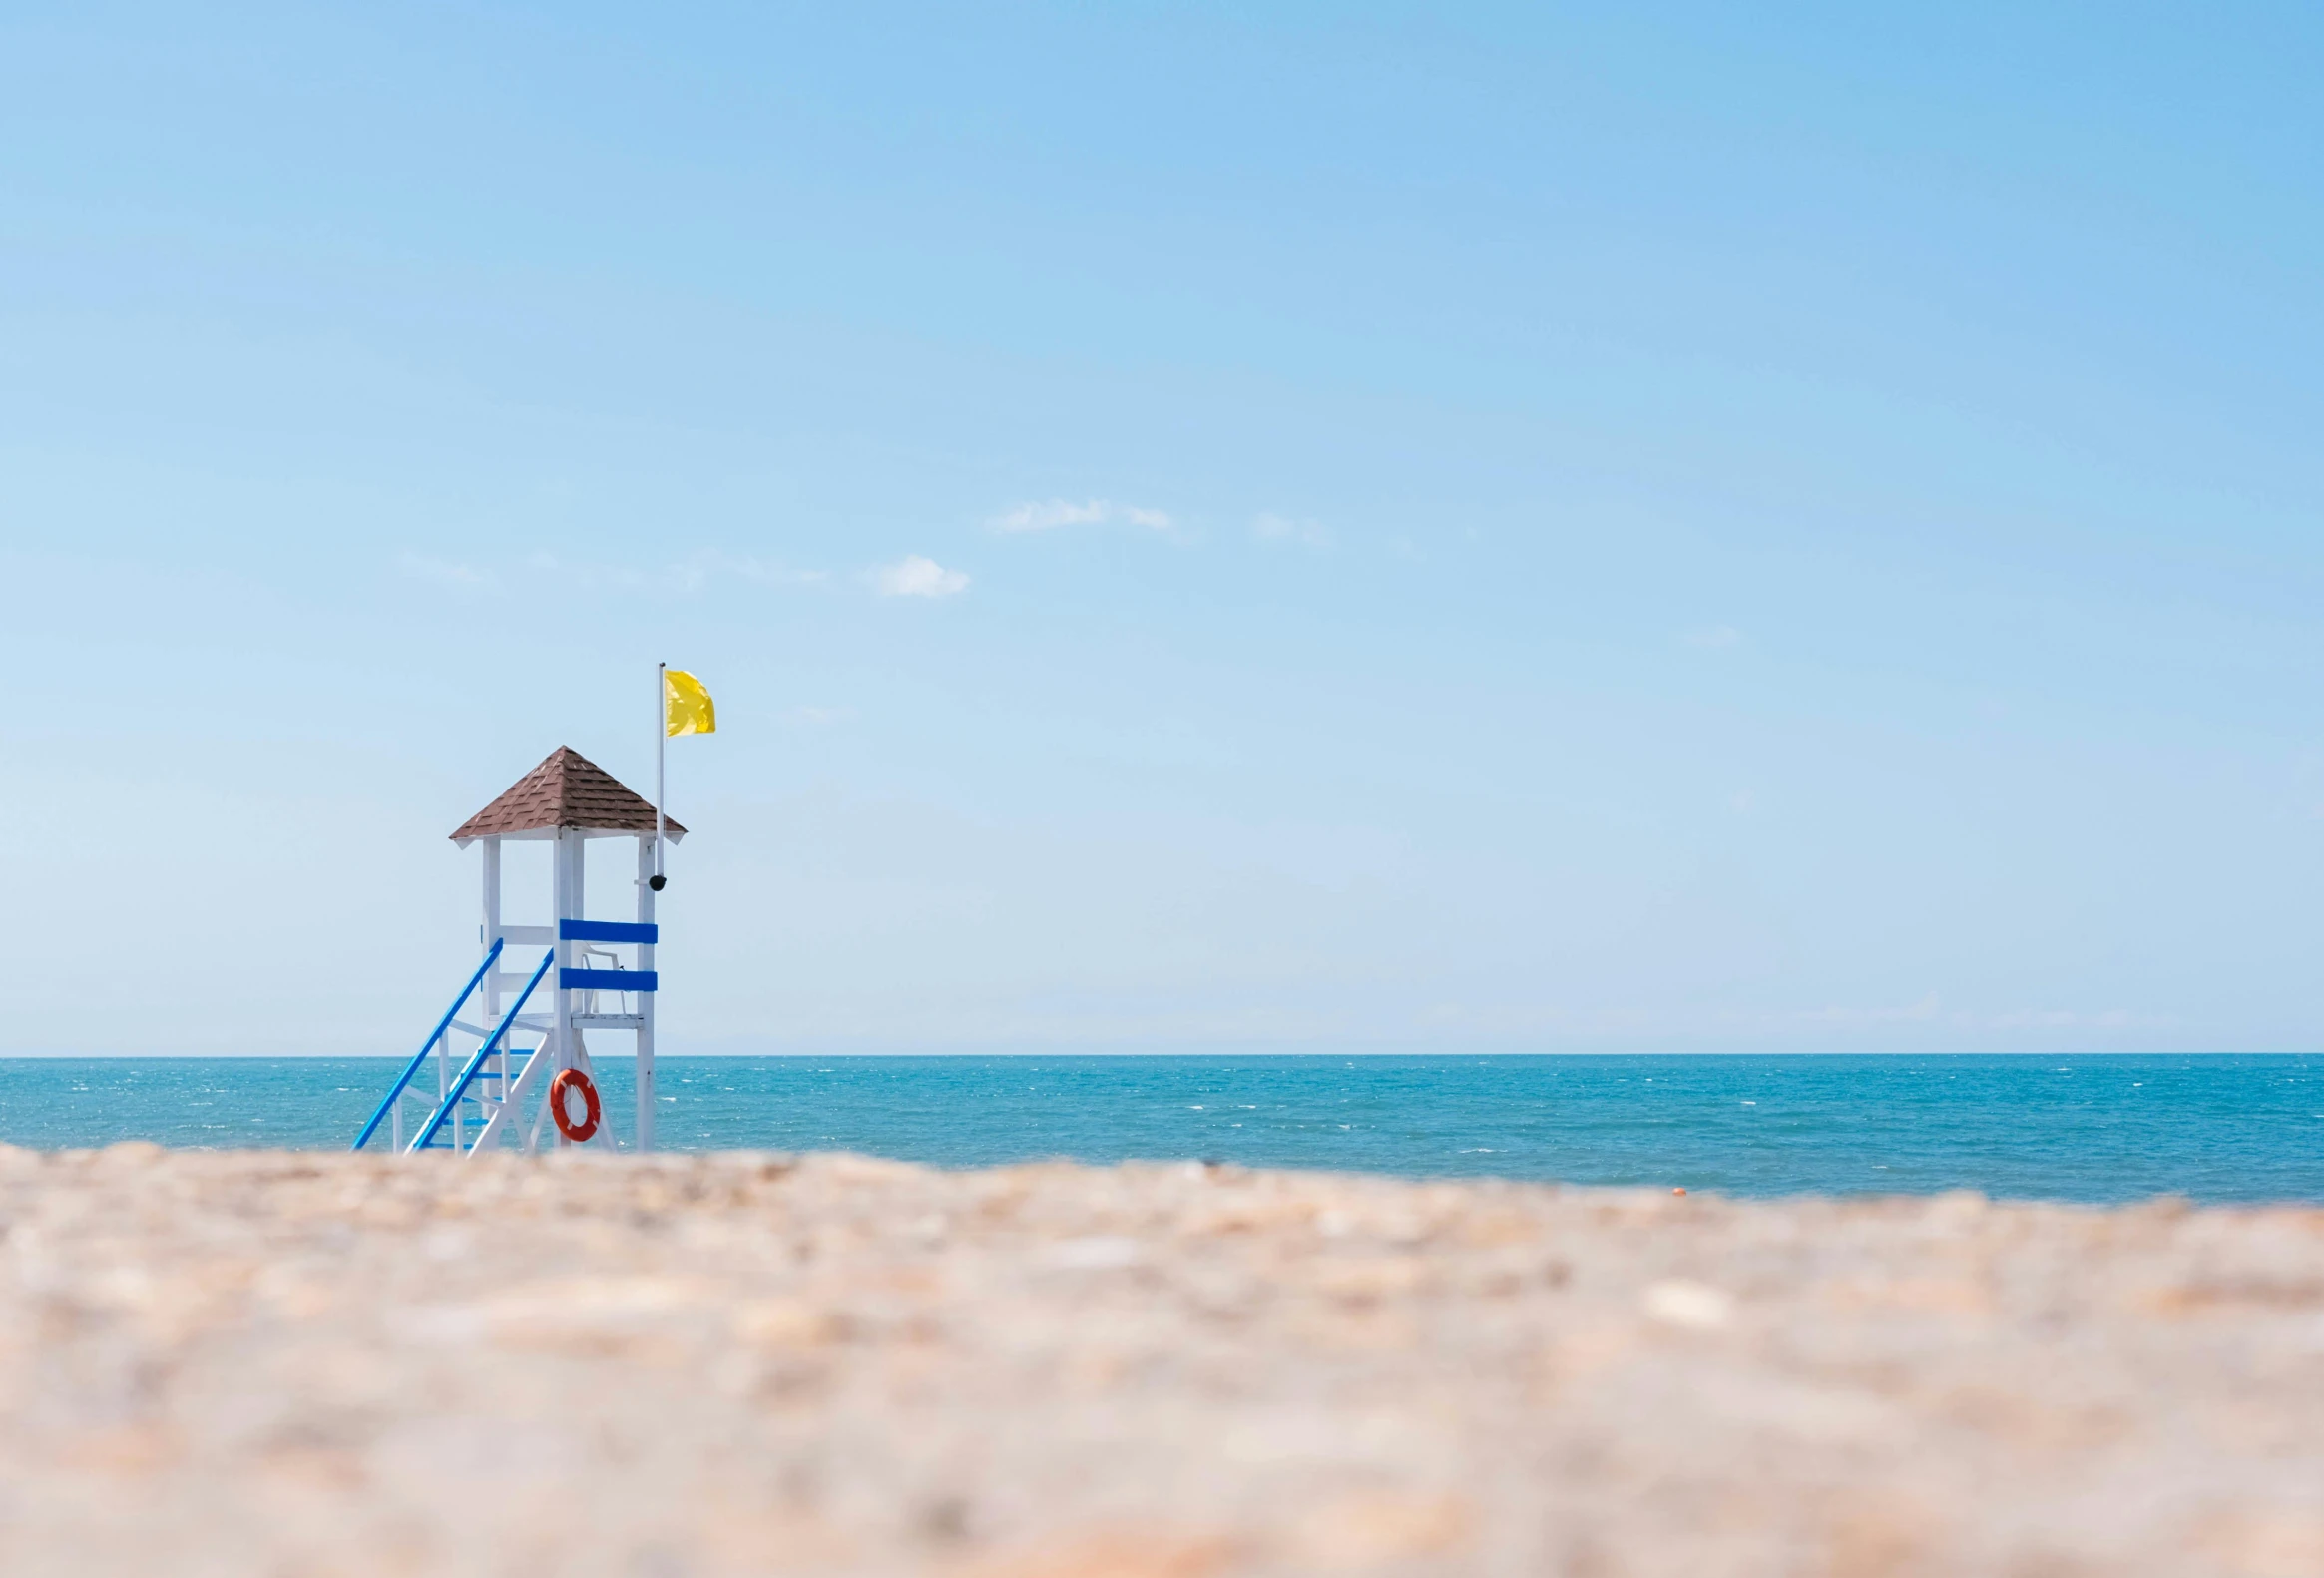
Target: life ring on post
{"type": "Point", "coordinates": [574, 1079]}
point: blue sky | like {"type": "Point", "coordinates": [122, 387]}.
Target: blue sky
{"type": "Point", "coordinates": [1208, 527]}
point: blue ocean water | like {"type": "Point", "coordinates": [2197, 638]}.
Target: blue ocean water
{"type": "Point", "coordinates": [2213, 1128]}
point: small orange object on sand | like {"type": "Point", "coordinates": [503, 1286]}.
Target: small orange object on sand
{"type": "Point", "coordinates": [1679, 1191]}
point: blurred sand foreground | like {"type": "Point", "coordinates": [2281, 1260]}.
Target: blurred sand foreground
{"type": "Point", "coordinates": [267, 1363]}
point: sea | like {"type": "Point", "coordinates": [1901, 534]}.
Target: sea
{"type": "Point", "coordinates": [2098, 1129]}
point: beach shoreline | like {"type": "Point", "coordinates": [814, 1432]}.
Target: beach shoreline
{"type": "Point", "coordinates": [740, 1363]}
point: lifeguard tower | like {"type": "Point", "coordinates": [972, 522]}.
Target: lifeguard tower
{"type": "Point", "coordinates": [525, 1080]}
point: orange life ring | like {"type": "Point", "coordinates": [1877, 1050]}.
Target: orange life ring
{"type": "Point", "coordinates": [572, 1079]}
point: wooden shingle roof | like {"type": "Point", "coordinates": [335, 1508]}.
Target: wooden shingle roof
{"type": "Point", "coordinates": [565, 791]}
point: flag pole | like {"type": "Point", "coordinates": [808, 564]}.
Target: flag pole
{"type": "Point", "coordinates": [660, 751]}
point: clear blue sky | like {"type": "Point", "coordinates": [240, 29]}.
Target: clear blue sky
{"type": "Point", "coordinates": [1293, 527]}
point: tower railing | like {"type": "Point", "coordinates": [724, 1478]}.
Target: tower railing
{"type": "Point", "coordinates": [492, 1042]}
{"type": "Point", "coordinates": [420, 1058]}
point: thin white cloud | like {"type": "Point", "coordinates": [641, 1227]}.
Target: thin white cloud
{"type": "Point", "coordinates": [445, 571]}
{"type": "Point", "coordinates": [916, 575]}
{"type": "Point", "coordinates": [694, 573]}
{"type": "Point", "coordinates": [1051, 514]}
{"type": "Point", "coordinates": [2068, 1019]}
{"type": "Point", "coordinates": [1922, 1011]}
{"type": "Point", "coordinates": [582, 573]}
{"type": "Point", "coordinates": [697, 570]}
{"type": "Point", "coordinates": [1715, 637]}
{"type": "Point", "coordinates": [1267, 526]}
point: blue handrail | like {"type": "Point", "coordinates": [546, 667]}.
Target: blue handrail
{"type": "Point", "coordinates": [460, 1085]}
{"type": "Point", "coordinates": [395, 1091]}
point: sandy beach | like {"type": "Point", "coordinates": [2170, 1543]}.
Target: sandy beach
{"type": "Point", "coordinates": [281, 1364]}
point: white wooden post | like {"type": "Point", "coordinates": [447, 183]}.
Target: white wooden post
{"type": "Point", "coordinates": [646, 866]}
{"type": "Point", "coordinates": [492, 1008]}
{"type": "Point", "coordinates": [491, 1000]}
{"type": "Point", "coordinates": [566, 870]}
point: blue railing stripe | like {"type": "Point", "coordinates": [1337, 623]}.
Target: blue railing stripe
{"type": "Point", "coordinates": [460, 1085]}
{"type": "Point", "coordinates": [608, 980]}
{"type": "Point", "coordinates": [609, 932]}
{"type": "Point", "coordinates": [395, 1091]}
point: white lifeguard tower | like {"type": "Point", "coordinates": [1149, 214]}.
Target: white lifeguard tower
{"type": "Point", "coordinates": [527, 1080]}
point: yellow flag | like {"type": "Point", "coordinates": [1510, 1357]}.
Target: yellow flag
{"type": "Point", "coordinates": [686, 706]}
